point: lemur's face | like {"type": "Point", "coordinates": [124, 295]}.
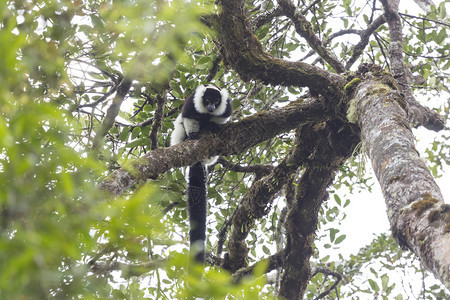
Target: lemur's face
{"type": "Point", "coordinates": [211, 99]}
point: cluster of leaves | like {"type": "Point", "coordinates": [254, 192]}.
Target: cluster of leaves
{"type": "Point", "coordinates": [44, 182]}
{"type": "Point", "coordinates": [60, 65]}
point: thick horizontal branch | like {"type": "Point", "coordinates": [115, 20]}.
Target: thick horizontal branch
{"type": "Point", "coordinates": [419, 218]}
{"type": "Point", "coordinates": [233, 139]}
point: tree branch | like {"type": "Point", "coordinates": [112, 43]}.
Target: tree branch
{"type": "Point", "coordinates": [111, 113]}
{"type": "Point", "coordinates": [255, 204]}
{"type": "Point", "coordinates": [417, 114]}
{"type": "Point", "coordinates": [242, 50]}
{"type": "Point", "coordinates": [157, 120]}
{"type": "Point", "coordinates": [305, 30]}
{"type": "Point", "coordinates": [425, 5]}
{"type": "Point", "coordinates": [266, 17]}
{"type": "Point", "coordinates": [234, 138]}
{"type": "Point", "coordinates": [259, 170]}
{"type": "Point", "coordinates": [326, 272]}
{"type": "Point", "coordinates": [333, 143]}
{"type": "Point", "coordinates": [358, 49]}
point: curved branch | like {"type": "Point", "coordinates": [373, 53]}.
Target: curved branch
{"type": "Point", "coordinates": [256, 202]}
{"type": "Point", "coordinates": [242, 50]}
{"type": "Point", "coordinates": [326, 271]}
{"type": "Point", "coordinates": [99, 100]}
{"type": "Point", "coordinates": [157, 121]}
{"type": "Point", "coordinates": [266, 17]}
{"type": "Point", "coordinates": [364, 41]}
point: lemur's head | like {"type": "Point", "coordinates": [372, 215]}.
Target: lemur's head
{"type": "Point", "coordinates": [210, 100]}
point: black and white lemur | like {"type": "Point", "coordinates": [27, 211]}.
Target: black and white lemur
{"type": "Point", "coordinates": [204, 109]}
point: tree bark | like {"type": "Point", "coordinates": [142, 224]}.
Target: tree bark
{"type": "Point", "coordinates": [242, 50]}
{"type": "Point", "coordinates": [419, 218]}
{"type": "Point", "coordinates": [333, 143]}
{"type": "Point", "coordinates": [417, 114]}
{"type": "Point", "coordinates": [256, 203]}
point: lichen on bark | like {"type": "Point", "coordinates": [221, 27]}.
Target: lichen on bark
{"type": "Point", "coordinates": [409, 189]}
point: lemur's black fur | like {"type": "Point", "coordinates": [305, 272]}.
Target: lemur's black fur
{"type": "Point", "coordinates": [197, 209]}
{"type": "Point", "coordinates": [205, 109]}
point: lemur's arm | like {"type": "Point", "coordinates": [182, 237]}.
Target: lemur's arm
{"type": "Point", "coordinates": [192, 128]}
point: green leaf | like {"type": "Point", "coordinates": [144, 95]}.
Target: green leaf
{"type": "Point", "coordinates": [340, 239]}
{"type": "Point", "coordinates": [293, 91]}
{"type": "Point", "coordinates": [374, 272]}
{"type": "Point", "coordinates": [139, 142]}
{"type": "Point", "coordinates": [204, 60]}
{"type": "Point", "coordinates": [325, 259]}
{"type": "Point", "coordinates": [374, 285]}
{"type": "Point", "coordinates": [333, 232]}
{"type": "Point", "coordinates": [441, 36]}
{"type": "Point", "coordinates": [135, 133]}
{"type": "Point", "coordinates": [261, 268]}
{"type": "Point", "coordinates": [442, 10]}
{"type": "Point", "coordinates": [337, 199]}
{"type": "Point", "coordinates": [124, 134]}
{"type": "Point", "coordinates": [345, 22]}
{"type": "Point", "coordinates": [262, 32]}
{"type": "Point", "coordinates": [384, 281]}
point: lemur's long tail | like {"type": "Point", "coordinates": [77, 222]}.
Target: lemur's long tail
{"type": "Point", "coordinates": [197, 206]}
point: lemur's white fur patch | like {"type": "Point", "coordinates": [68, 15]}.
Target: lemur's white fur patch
{"type": "Point", "coordinates": [178, 133]}
{"type": "Point", "coordinates": [223, 104]}
{"type": "Point", "coordinates": [198, 101]}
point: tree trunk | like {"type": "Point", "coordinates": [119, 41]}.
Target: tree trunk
{"type": "Point", "coordinates": [419, 218]}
